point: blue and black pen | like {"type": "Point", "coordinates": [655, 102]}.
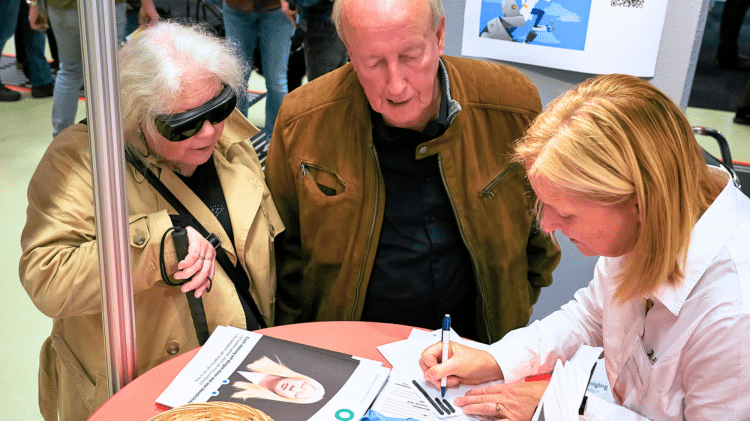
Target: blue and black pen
{"type": "Point", "coordinates": [446, 344]}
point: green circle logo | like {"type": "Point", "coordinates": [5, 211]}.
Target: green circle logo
{"type": "Point", "coordinates": [341, 413]}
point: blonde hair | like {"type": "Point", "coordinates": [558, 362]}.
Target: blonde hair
{"type": "Point", "coordinates": [158, 63]}
{"type": "Point", "coordinates": [267, 366]}
{"type": "Point", "coordinates": [437, 13]}
{"type": "Point", "coordinates": [614, 138]}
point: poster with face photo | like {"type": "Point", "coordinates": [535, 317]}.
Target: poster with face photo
{"type": "Point", "coordinates": [286, 380]}
{"type": "Point", "coordinates": [589, 36]}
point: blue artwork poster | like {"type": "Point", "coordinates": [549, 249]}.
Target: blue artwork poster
{"type": "Point", "coordinates": [589, 36]}
{"type": "Point", "coordinates": [554, 23]}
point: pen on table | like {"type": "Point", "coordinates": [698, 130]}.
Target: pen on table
{"type": "Point", "coordinates": [446, 343]}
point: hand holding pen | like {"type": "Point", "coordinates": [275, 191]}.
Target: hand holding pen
{"type": "Point", "coordinates": [464, 365]}
{"type": "Point", "coordinates": [446, 343]}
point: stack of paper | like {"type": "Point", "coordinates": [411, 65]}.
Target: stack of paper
{"type": "Point", "coordinates": [583, 375]}
{"type": "Point", "coordinates": [286, 380]}
{"type": "Point", "coordinates": [407, 393]}
{"type": "Point", "coordinates": [563, 397]}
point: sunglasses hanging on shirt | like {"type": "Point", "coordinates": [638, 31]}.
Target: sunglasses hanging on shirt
{"type": "Point", "coordinates": [184, 125]}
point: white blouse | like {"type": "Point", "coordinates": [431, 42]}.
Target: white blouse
{"type": "Point", "coordinates": [688, 357]}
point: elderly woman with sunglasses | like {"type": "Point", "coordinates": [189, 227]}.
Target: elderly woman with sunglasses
{"type": "Point", "coordinates": [179, 86]}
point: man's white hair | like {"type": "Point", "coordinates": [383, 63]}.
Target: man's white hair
{"type": "Point", "coordinates": [436, 11]}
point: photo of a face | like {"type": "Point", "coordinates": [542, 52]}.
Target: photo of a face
{"type": "Point", "coordinates": [286, 381]}
{"type": "Point", "coordinates": [292, 388]}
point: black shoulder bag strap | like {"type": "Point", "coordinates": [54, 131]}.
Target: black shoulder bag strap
{"type": "Point", "coordinates": [221, 256]}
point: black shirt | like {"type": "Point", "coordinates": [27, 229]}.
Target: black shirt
{"type": "Point", "coordinates": [422, 268]}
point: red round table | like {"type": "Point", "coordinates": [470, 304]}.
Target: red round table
{"type": "Point", "coordinates": [137, 400]}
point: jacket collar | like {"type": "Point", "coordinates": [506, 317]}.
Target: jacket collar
{"type": "Point", "coordinates": [456, 123]}
{"type": "Point", "coordinates": [453, 106]}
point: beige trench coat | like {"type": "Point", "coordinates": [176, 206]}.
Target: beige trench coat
{"type": "Point", "coordinates": [59, 265]}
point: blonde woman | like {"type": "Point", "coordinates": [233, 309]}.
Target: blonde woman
{"type": "Point", "coordinates": [616, 168]}
{"type": "Point", "coordinates": [275, 381]}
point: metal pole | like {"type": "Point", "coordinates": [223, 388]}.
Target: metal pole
{"type": "Point", "coordinates": [99, 45]}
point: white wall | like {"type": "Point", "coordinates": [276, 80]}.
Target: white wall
{"type": "Point", "coordinates": [675, 67]}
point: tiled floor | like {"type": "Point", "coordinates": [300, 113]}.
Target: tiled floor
{"type": "Point", "coordinates": [25, 132]}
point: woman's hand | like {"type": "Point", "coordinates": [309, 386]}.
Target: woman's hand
{"type": "Point", "coordinates": [200, 263]}
{"type": "Point", "coordinates": [515, 402]}
{"type": "Point", "coordinates": [465, 365]}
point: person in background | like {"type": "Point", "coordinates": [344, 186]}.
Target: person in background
{"type": "Point", "coordinates": [392, 177]}
{"type": "Point", "coordinates": [62, 15]}
{"type": "Point", "coordinates": [8, 16]}
{"type": "Point", "coordinates": [324, 50]}
{"type": "Point", "coordinates": [727, 53]}
{"type": "Point", "coordinates": [616, 168]}
{"type": "Point", "coordinates": [742, 111]}
{"type": "Point", "coordinates": [35, 65]}
{"type": "Point", "coordinates": [248, 22]}
{"type": "Point", "coordinates": [40, 74]}
{"type": "Point", "coordinates": [21, 62]}
{"type": "Point", "coordinates": [169, 74]}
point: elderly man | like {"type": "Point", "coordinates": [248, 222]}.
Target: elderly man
{"type": "Point", "coordinates": [179, 86]}
{"type": "Point", "coordinates": [392, 177]}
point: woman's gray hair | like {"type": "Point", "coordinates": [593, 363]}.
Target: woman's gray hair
{"type": "Point", "coordinates": [156, 65]}
{"type": "Point", "coordinates": [436, 11]}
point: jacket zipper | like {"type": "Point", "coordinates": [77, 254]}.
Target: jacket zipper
{"type": "Point", "coordinates": [304, 169]}
{"type": "Point", "coordinates": [372, 229]}
{"type": "Point", "coordinates": [486, 192]}
{"type": "Point", "coordinates": [468, 247]}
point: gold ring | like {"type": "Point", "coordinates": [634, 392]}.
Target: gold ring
{"type": "Point", "coordinates": [201, 257]}
{"type": "Point", "coordinates": [497, 408]}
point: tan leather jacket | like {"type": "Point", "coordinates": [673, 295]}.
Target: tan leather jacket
{"type": "Point", "coordinates": [59, 264]}
{"type": "Point", "coordinates": [323, 137]}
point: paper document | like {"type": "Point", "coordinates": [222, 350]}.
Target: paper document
{"type": "Point", "coordinates": [564, 395]}
{"type": "Point", "coordinates": [583, 374]}
{"type": "Point", "coordinates": [400, 399]}
{"type": "Point", "coordinates": [286, 380]}
{"type": "Point", "coordinates": [404, 357]}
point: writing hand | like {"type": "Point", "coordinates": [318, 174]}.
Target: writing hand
{"type": "Point", "coordinates": [465, 365]}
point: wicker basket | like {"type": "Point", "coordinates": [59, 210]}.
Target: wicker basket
{"type": "Point", "coordinates": [210, 411]}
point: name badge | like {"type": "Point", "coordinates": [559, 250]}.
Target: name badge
{"type": "Point", "coordinates": [640, 364]}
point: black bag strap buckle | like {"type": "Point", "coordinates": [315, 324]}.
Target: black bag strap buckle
{"type": "Point", "coordinates": [214, 240]}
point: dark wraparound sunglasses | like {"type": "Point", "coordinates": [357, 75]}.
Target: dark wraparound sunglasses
{"type": "Point", "coordinates": [184, 125]}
